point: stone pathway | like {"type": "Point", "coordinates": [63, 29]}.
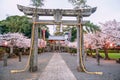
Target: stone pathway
{"type": "Point", "coordinates": [57, 70]}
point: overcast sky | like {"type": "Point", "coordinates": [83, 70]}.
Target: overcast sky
{"type": "Point", "coordinates": [106, 9]}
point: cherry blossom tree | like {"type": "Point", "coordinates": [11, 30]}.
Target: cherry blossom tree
{"type": "Point", "coordinates": [15, 39]}
{"type": "Point", "coordinates": [110, 31]}
{"type": "Point", "coordinates": [92, 41]}
{"type": "Point", "coordinates": [104, 39]}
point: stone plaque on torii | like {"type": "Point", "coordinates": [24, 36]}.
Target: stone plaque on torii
{"type": "Point", "coordinates": [58, 14]}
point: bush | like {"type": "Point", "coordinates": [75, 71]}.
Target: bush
{"type": "Point", "coordinates": [2, 51]}
{"type": "Point", "coordinates": [40, 50]}
{"type": "Point", "coordinates": [72, 51]}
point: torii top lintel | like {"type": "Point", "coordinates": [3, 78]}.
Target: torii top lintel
{"type": "Point", "coordinates": [50, 12]}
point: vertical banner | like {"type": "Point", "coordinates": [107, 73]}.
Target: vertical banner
{"type": "Point", "coordinates": [43, 34]}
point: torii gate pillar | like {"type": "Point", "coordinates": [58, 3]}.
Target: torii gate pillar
{"type": "Point", "coordinates": [33, 63]}
{"type": "Point", "coordinates": [80, 45]}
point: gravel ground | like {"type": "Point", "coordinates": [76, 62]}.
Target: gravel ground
{"type": "Point", "coordinates": [110, 69]}
{"type": "Point", "coordinates": [13, 63]}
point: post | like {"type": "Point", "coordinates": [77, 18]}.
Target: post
{"type": "Point", "coordinates": [80, 46]}
{"type": "Point", "coordinates": [97, 52]}
{"type": "Point", "coordinates": [20, 55]}
{"type": "Point", "coordinates": [33, 64]}
{"type": "Point", "coordinates": [59, 46]}
{"type": "Point", "coordinates": [97, 56]}
{"type": "Point", "coordinates": [5, 56]}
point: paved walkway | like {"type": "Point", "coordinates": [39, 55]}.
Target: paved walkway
{"type": "Point", "coordinates": [57, 70]}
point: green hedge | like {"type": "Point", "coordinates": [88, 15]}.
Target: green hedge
{"type": "Point", "coordinates": [40, 50]}
{"type": "Point", "coordinates": [102, 51]}
{"type": "Point", "coordinates": [72, 50]}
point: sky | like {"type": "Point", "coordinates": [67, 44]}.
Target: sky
{"type": "Point", "coordinates": [106, 9]}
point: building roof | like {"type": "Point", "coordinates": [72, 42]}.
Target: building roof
{"type": "Point", "coordinates": [58, 38]}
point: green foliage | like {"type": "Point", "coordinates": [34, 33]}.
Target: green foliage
{"type": "Point", "coordinates": [90, 27]}
{"type": "Point", "coordinates": [47, 34]}
{"type": "Point", "coordinates": [110, 51]}
{"type": "Point", "coordinates": [19, 24]}
{"type": "Point", "coordinates": [73, 31]}
{"type": "Point", "coordinates": [113, 54]}
{"type": "Point", "coordinates": [102, 51]}
{"type": "Point", "coordinates": [16, 24]}
{"type": "Point", "coordinates": [3, 28]}
{"type": "Point", "coordinates": [73, 34]}
{"type": "Point", "coordinates": [72, 50]}
{"type": "Point", "coordinates": [77, 2]}
{"type": "Point", "coordinates": [40, 50]}
{"type": "Point", "coordinates": [2, 51]}
{"type": "Point", "coordinates": [37, 3]}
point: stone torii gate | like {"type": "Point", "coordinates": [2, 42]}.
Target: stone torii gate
{"type": "Point", "coordinates": [57, 14]}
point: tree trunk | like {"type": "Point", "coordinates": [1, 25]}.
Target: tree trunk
{"type": "Point", "coordinates": [33, 64]}
{"type": "Point", "coordinates": [11, 50]}
{"type": "Point", "coordinates": [106, 54]}
{"type": "Point", "coordinates": [90, 52]}
{"type": "Point", "coordinates": [24, 50]}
